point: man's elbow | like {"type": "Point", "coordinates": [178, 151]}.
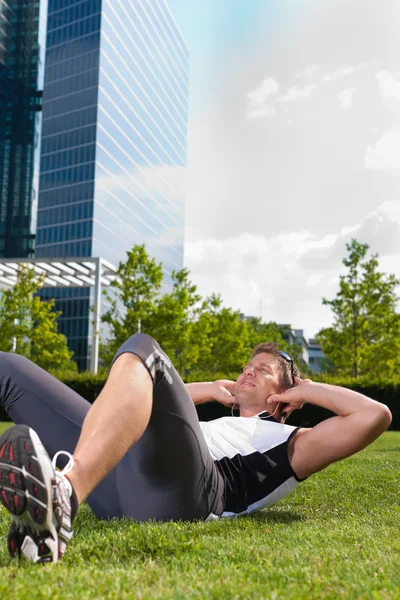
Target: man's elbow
{"type": "Point", "coordinates": [384, 417]}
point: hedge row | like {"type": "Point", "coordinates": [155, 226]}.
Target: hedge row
{"type": "Point", "coordinates": [89, 386]}
{"type": "Point", "coordinates": [310, 414]}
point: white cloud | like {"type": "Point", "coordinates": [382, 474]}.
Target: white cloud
{"type": "Point", "coordinates": [257, 105]}
{"type": "Point", "coordinates": [257, 274]}
{"type": "Point", "coordinates": [283, 277]}
{"type": "Point", "coordinates": [259, 112]}
{"type": "Point", "coordinates": [345, 98]}
{"type": "Point", "coordinates": [386, 153]}
{"type": "Point", "coordinates": [388, 85]}
{"type": "Point", "coordinates": [391, 209]}
{"type": "Point", "coordinates": [296, 93]}
{"type": "Point", "coordinates": [309, 72]}
{"type": "Point", "coordinates": [342, 71]}
{"type": "Point", "coordinates": [381, 230]}
{"type": "Point", "coordinates": [261, 104]}
{"type": "Point", "coordinates": [312, 70]}
{"type": "Point", "coordinates": [266, 88]}
{"type": "Point", "coordinates": [346, 230]}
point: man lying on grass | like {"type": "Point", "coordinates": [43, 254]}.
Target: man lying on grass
{"type": "Point", "coordinates": [139, 451]}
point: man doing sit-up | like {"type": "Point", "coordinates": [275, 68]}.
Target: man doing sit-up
{"type": "Point", "coordinates": [139, 451]}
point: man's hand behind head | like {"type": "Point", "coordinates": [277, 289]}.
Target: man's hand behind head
{"type": "Point", "coordinates": [294, 397]}
{"type": "Point", "coordinates": [223, 391]}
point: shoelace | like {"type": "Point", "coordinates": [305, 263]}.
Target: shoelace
{"type": "Point", "coordinates": [68, 467]}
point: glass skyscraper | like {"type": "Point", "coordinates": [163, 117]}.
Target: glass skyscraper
{"type": "Point", "coordinates": [113, 142]}
{"type": "Point", "coordinates": [22, 46]}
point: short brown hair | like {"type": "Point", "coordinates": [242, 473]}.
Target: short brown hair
{"type": "Point", "coordinates": [285, 379]}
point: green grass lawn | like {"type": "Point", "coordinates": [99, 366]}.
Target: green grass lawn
{"type": "Point", "coordinates": [336, 536]}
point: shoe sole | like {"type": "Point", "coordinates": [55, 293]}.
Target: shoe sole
{"type": "Point", "coordinates": [26, 484]}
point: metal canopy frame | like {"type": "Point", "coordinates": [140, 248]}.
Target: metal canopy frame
{"type": "Point", "coordinates": [67, 273]}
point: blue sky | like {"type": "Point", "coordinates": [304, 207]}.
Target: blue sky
{"type": "Point", "coordinates": [293, 148]}
{"type": "Point", "coordinates": [217, 30]}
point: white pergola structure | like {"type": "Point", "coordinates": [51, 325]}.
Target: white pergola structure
{"type": "Point", "coordinates": [67, 272]}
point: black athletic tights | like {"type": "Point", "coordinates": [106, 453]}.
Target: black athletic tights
{"type": "Point", "coordinates": [168, 474]}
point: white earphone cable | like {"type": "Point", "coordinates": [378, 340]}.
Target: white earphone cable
{"type": "Point", "coordinates": [271, 415]}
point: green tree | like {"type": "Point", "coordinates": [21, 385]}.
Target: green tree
{"type": "Point", "coordinates": [365, 335]}
{"type": "Point", "coordinates": [224, 339]}
{"type": "Point", "coordinates": [202, 338]}
{"type": "Point", "coordinates": [172, 320]}
{"type": "Point", "coordinates": [271, 332]}
{"type": "Point", "coordinates": [132, 299]}
{"type": "Point", "coordinates": [28, 325]}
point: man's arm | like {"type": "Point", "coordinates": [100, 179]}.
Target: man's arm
{"type": "Point", "coordinates": [222, 391]}
{"type": "Point", "coordinates": [359, 422]}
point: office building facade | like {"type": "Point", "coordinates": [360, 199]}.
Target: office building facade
{"type": "Point", "coordinates": [315, 356]}
{"type": "Point", "coordinates": [22, 52]}
{"type": "Point", "coordinates": [311, 351]}
{"type": "Point", "coordinates": [113, 141]}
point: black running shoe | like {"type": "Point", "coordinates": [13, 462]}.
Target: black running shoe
{"type": "Point", "coordinates": [36, 495]}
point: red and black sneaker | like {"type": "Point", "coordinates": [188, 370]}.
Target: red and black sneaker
{"type": "Point", "coordinates": [36, 495]}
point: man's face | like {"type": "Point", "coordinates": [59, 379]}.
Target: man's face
{"type": "Point", "coordinates": [259, 379]}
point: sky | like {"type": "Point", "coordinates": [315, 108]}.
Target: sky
{"type": "Point", "coordinates": [293, 149]}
